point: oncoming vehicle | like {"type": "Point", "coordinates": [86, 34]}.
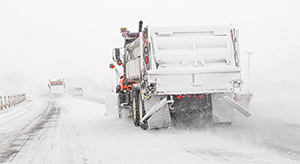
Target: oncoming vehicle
{"type": "Point", "coordinates": [77, 91]}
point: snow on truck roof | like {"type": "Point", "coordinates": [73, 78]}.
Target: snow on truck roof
{"type": "Point", "coordinates": [216, 29]}
{"type": "Point", "coordinates": [58, 82]}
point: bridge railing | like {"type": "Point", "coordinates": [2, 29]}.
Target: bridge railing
{"type": "Point", "coordinates": [11, 100]}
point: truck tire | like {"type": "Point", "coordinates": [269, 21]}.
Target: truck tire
{"type": "Point", "coordinates": [118, 89]}
{"type": "Point", "coordinates": [142, 112]}
{"type": "Point", "coordinates": [135, 109]}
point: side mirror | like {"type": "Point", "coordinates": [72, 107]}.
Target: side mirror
{"type": "Point", "coordinates": [116, 57]}
{"type": "Point", "coordinates": [117, 54]}
{"type": "Point", "coordinates": [111, 66]}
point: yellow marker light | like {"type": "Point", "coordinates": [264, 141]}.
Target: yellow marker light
{"type": "Point", "coordinates": [123, 29]}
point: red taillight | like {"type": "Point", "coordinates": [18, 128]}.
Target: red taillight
{"type": "Point", "coordinates": [146, 60]}
{"type": "Point", "coordinates": [189, 95]}
{"type": "Point", "coordinates": [178, 97]}
{"type": "Point", "coordinates": [183, 96]}
{"type": "Point", "coordinates": [111, 66]}
{"type": "Point", "coordinates": [201, 96]}
{"type": "Point", "coordinates": [195, 96]}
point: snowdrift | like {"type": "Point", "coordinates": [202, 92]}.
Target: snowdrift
{"type": "Point", "coordinates": [111, 104]}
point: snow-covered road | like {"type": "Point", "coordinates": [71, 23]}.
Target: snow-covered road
{"type": "Point", "coordinates": [74, 130]}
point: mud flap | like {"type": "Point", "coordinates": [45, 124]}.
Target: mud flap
{"type": "Point", "coordinates": [160, 118]}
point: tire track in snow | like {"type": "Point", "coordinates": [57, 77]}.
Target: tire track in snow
{"type": "Point", "coordinates": [13, 118]}
{"type": "Point", "coordinates": [23, 129]}
{"type": "Point", "coordinates": [11, 148]}
{"type": "Point", "coordinates": [36, 127]}
{"type": "Point", "coordinates": [41, 132]}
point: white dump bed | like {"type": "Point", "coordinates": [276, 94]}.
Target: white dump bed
{"type": "Point", "coordinates": [193, 59]}
{"type": "Point", "coordinates": [57, 89]}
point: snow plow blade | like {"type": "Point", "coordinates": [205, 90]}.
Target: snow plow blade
{"type": "Point", "coordinates": [237, 106]}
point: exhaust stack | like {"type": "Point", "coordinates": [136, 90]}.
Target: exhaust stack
{"type": "Point", "coordinates": [140, 26]}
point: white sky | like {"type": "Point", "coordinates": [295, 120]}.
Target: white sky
{"type": "Point", "coordinates": [43, 39]}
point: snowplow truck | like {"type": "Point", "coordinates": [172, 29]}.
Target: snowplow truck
{"type": "Point", "coordinates": [56, 88]}
{"type": "Point", "coordinates": [180, 75]}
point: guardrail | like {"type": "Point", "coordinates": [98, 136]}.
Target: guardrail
{"type": "Point", "coordinates": [10, 101]}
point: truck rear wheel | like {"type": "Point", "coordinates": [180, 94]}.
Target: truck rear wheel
{"type": "Point", "coordinates": [142, 112]}
{"type": "Point", "coordinates": [135, 109]}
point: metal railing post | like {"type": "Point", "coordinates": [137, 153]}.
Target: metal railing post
{"type": "Point", "coordinates": [5, 102]}
{"type": "Point", "coordinates": [11, 100]}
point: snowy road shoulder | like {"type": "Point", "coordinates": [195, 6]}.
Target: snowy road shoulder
{"type": "Point", "coordinates": [18, 124]}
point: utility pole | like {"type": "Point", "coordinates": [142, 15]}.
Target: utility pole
{"type": "Point", "coordinates": [249, 53]}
